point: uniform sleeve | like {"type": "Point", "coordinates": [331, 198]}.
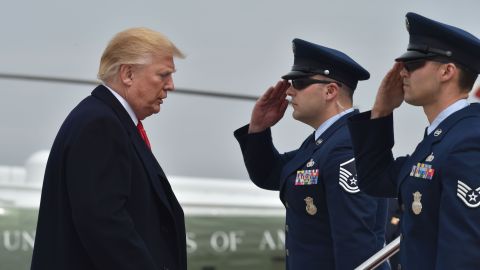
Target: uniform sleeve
{"type": "Point", "coordinates": [459, 211]}
{"type": "Point", "coordinates": [98, 179]}
{"type": "Point", "coordinates": [353, 214]}
{"type": "Point", "coordinates": [262, 160]}
{"type": "Point", "coordinates": [373, 141]}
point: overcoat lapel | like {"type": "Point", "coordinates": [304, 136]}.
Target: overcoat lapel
{"type": "Point", "coordinates": [154, 170]}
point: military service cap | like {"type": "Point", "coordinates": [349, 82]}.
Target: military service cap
{"type": "Point", "coordinates": [312, 59]}
{"type": "Point", "coordinates": [429, 38]}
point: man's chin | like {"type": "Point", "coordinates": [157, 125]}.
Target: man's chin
{"type": "Point", "coordinates": [412, 101]}
{"type": "Point", "coordinates": [297, 116]}
{"type": "Point", "coordinates": [151, 113]}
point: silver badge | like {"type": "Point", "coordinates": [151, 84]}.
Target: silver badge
{"type": "Point", "coordinates": [430, 158]}
{"type": "Point", "coordinates": [468, 195]}
{"type": "Point", "coordinates": [326, 72]}
{"type": "Point", "coordinates": [319, 141]}
{"type": "Point", "coordinates": [417, 204]}
{"type": "Point", "coordinates": [437, 132]}
{"type": "Point", "coordinates": [311, 208]}
{"type": "Point", "coordinates": [310, 163]}
{"type": "Point", "coordinates": [348, 176]}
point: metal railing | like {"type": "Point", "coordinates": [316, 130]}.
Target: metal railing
{"type": "Point", "coordinates": [381, 256]}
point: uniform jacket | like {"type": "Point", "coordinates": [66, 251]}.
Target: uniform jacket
{"type": "Point", "coordinates": [106, 203]}
{"type": "Point", "coordinates": [330, 224]}
{"type": "Point", "coordinates": [438, 187]}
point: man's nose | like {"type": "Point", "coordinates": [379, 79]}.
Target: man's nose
{"type": "Point", "coordinates": [404, 72]}
{"type": "Point", "coordinates": [291, 91]}
{"type": "Point", "coordinates": [169, 86]}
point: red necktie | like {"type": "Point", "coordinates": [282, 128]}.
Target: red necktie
{"type": "Point", "coordinates": [143, 134]}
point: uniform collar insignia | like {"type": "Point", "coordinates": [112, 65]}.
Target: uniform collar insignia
{"type": "Point", "coordinates": [310, 163]}
{"type": "Point", "coordinates": [430, 158]}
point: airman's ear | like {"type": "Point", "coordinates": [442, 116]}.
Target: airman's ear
{"type": "Point", "coordinates": [448, 71]}
{"type": "Point", "coordinates": [332, 90]}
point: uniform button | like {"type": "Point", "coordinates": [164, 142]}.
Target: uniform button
{"type": "Point", "coordinates": [286, 251]}
{"type": "Point", "coordinates": [286, 228]}
{"type": "Point", "coordinates": [286, 204]}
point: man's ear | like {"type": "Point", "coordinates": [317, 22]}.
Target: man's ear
{"type": "Point", "coordinates": [448, 71]}
{"type": "Point", "coordinates": [126, 74]}
{"type": "Point", "coordinates": [331, 91]}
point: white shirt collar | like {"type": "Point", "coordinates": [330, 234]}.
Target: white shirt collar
{"type": "Point", "coordinates": [124, 104]}
{"type": "Point", "coordinates": [325, 125]}
{"type": "Point", "coordinates": [458, 105]}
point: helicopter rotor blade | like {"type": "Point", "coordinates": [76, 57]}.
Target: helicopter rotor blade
{"type": "Point", "coordinates": [23, 77]}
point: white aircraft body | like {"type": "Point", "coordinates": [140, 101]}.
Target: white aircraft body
{"type": "Point", "coordinates": [231, 224]}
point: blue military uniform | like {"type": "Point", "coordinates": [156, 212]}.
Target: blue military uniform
{"type": "Point", "coordinates": [330, 223]}
{"type": "Point", "coordinates": [392, 232]}
{"type": "Point", "coordinates": [439, 184]}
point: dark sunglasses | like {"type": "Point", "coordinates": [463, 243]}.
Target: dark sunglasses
{"type": "Point", "coordinates": [411, 66]}
{"type": "Point", "coordinates": [303, 83]}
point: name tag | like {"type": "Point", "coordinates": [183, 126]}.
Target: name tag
{"type": "Point", "coordinates": [423, 171]}
{"type": "Point", "coordinates": [306, 177]}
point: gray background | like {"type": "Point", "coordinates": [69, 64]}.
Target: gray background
{"type": "Point", "coordinates": [238, 47]}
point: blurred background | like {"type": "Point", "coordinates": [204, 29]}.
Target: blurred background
{"type": "Point", "coordinates": [235, 47]}
{"type": "Point", "coordinates": [232, 47]}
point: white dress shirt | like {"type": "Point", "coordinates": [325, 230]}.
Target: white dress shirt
{"type": "Point", "coordinates": [125, 105]}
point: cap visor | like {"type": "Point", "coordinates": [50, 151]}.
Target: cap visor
{"type": "Point", "coordinates": [413, 55]}
{"type": "Point", "coordinates": [294, 74]}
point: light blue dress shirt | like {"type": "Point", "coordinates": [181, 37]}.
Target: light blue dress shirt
{"type": "Point", "coordinates": [458, 105]}
{"type": "Point", "coordinates": [325, 125]}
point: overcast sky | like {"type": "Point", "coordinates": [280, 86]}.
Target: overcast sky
{"type": "Point", "coordinates": [239, 47]}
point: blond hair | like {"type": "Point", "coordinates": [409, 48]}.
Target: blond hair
{"type": "Point", "coordinates": [134, 46]}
